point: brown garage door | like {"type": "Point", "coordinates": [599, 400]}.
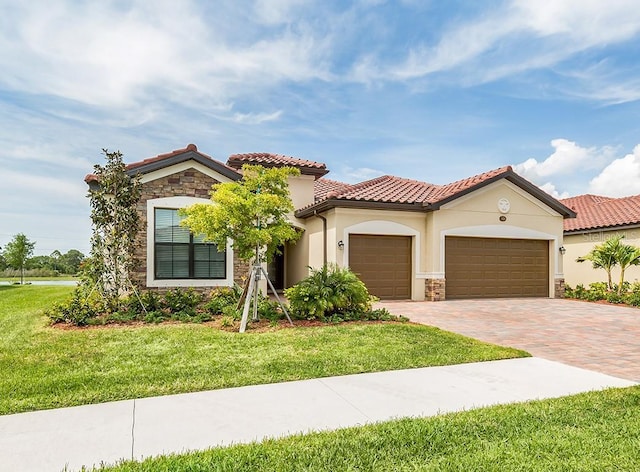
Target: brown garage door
{"type": "Point", "coordinates": [383, 263]}
{"type": "Point", "coordinates": [496, 268]}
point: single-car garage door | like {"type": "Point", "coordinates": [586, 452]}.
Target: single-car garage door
{"type": "Point", "coordinates": [496, 268]}
{"type": "Point", "coordinates": [383, 263]}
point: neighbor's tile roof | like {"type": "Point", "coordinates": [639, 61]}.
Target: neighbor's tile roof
{"type": "Point", "coordinates": [595, 211]}
{"type": "Point", "coordinates": [275, 160]}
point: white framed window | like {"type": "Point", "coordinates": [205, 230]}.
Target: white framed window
{"type": "Point", "coordinates": [177, 258]}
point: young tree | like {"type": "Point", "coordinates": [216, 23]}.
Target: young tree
{"type": "Point", "coordinates": [17, 252]}
{"type": "Point", "coordinates": [115, 225]}
{"type": "Point", "coordinates": [252, 213]}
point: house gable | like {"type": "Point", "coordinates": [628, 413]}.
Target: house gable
{"type": "Point", "coordinates": [505, 174]}
{"type": "Point", "coordinates": [170, 160]}
{"type": "Point", "coordinates": [485, 199]}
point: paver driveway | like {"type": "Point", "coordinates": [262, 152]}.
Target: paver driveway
{"type": "Point", "coordinates": [598, 337]}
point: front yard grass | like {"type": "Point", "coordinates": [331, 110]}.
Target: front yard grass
{"type": "Point", "coordinates": [592, 431]}
{"type": "Point", "coordinates": [45, 367]}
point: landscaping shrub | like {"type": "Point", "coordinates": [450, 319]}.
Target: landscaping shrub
{"type": "Point", "coordinates": [224, 301]}
{"type": "Point", "coordinates": [579, 292]}
{"type": "Point", "coordinates": [329, 292]}
{"type": "Point", "coordinates": [633, 296]}
{"type": "Point", "coordinates": [182, 304]}
{"type": "Point", "coordinates": [613, 297]}
{"type": "Point", "coordinates": [630, 293]}
{"type": "Point", "coordinates": [222, 298]}
{"type": "Point", "coordinates": [597, 291]}
{"type": "Point", "coordinates": [81, 310]}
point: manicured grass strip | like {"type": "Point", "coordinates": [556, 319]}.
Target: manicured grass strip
{"type": "Point", "coordinates": [43, 367]}
{"type": "Point", "coordinates": [593, 431]}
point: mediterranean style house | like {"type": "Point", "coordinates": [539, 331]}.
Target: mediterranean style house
{"type": "Point", "coordinates": [598, 219]}
{"type": "Point", "coordinates": [490, 235]}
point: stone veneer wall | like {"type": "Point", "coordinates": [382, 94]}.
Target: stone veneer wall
{"type": "Point", "coordinates": [435, 290]}
{"type": "Point", "coordinates": [188, 183]}
{"type": "Point", "coordinates": [559, 288]}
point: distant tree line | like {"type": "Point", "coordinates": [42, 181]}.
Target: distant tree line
{"type": "Point", "coordinates": [17, 255]}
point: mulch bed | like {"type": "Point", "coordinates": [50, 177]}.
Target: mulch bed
{"type": "Point", "coordinates": [260, 326]}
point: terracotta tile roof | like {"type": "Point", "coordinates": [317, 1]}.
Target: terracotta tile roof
{"type": "Point", "coordinates": [391, 189]}
{"type": "Point", "coordinates": [323, 186]}
{"type": "Point", "coordinates": [167, 156]}
{"type": "Point", "coordinates": [595, 211]}
{"type": "Point", "coordinates": [405, 194]}
{"type": "Point", "coordinates": [386, 188]}
{"type": "Point", "coordinates": [177, 152]}
{"type": "Point", "coordinates": [276, 160]}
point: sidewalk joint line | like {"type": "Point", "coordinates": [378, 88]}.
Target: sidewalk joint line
{"type": "Point", "coordinates": [343, 398]}
{"type": "Point", "coordinates": [133, 427]}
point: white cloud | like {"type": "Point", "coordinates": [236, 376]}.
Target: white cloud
{"type": "Point", "coordinates": [355, 175]}
{"type": "Point", "coordinates": [42, 188]}
{"type": "Point", "coordinates": [275, 12]}
{"type": "Point", "coordinates": [97, 54]}
{"type": "Point", "coordinates": [553, 191]}
{"type": "Point", "coordinates": [562, 166]}
{"type": "Point", "coordinates": [620, 178]}
{"type": "Point", "coordinates": [567, 157]}
{"type": "Point", "coordinates": [256, 118]}
{"type": "Point", "coordinates": [520, 36]}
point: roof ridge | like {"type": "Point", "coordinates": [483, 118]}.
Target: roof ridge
{"type": "Point", "coordinates": [452, 188]}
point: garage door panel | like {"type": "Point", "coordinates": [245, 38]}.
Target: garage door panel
{"type": "Point", "coordinates": [494, 267]}
{"type": "Point", "coordinates": [383, 263]}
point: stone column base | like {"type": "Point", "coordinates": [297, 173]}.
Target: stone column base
{"type": "Point", "coordinates": [435, 290]}
{"type": "Point", "coordinates": [559, 288]}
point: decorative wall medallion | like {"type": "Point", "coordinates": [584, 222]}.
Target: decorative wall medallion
{"type": "Point", "coordinates": [504, 205]}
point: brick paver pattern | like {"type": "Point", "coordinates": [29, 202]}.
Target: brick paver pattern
{"type": "Point", "coordinates": [598, 337]}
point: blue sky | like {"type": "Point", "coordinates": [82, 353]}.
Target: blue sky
{"type": "Point", "coordinates": [430, 90]}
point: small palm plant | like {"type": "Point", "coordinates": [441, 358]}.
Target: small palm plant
{"type": "Point", "coordinates": [329, 291]}
{"type": "Point", "coordinates": [613, 252]}
{"type": "Point", "coordinates": [627, 256]}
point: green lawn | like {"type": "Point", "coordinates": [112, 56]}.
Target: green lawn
{"type": "Point", "coordinates": [43, 367]}
{"type": "Point", "coordinates": [587, 432]}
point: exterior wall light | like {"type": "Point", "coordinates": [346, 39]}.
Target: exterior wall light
{"type": "Point", "coordinates": [340, 245]}
{"type": "Point", "coordinates": [562, 250]}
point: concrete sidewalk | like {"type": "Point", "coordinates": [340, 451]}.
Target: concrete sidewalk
{"type": "Point", "coordinates": [86, 435]}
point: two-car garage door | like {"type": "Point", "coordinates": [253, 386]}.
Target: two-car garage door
{"type": "Point", "coordinates": [474, 267]}
{"type": "Point", "coordinates": [494, 268]}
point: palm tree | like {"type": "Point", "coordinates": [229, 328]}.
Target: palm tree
{"type": "Point", "coordinates": [626, 256]}
{"type": "Point", "coordinates": [604, 256]}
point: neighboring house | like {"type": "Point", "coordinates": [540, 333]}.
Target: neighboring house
{"type": "Point", "coordinates": [598, 219]}
{"type": "Point", "coordinates": [491, 235]}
